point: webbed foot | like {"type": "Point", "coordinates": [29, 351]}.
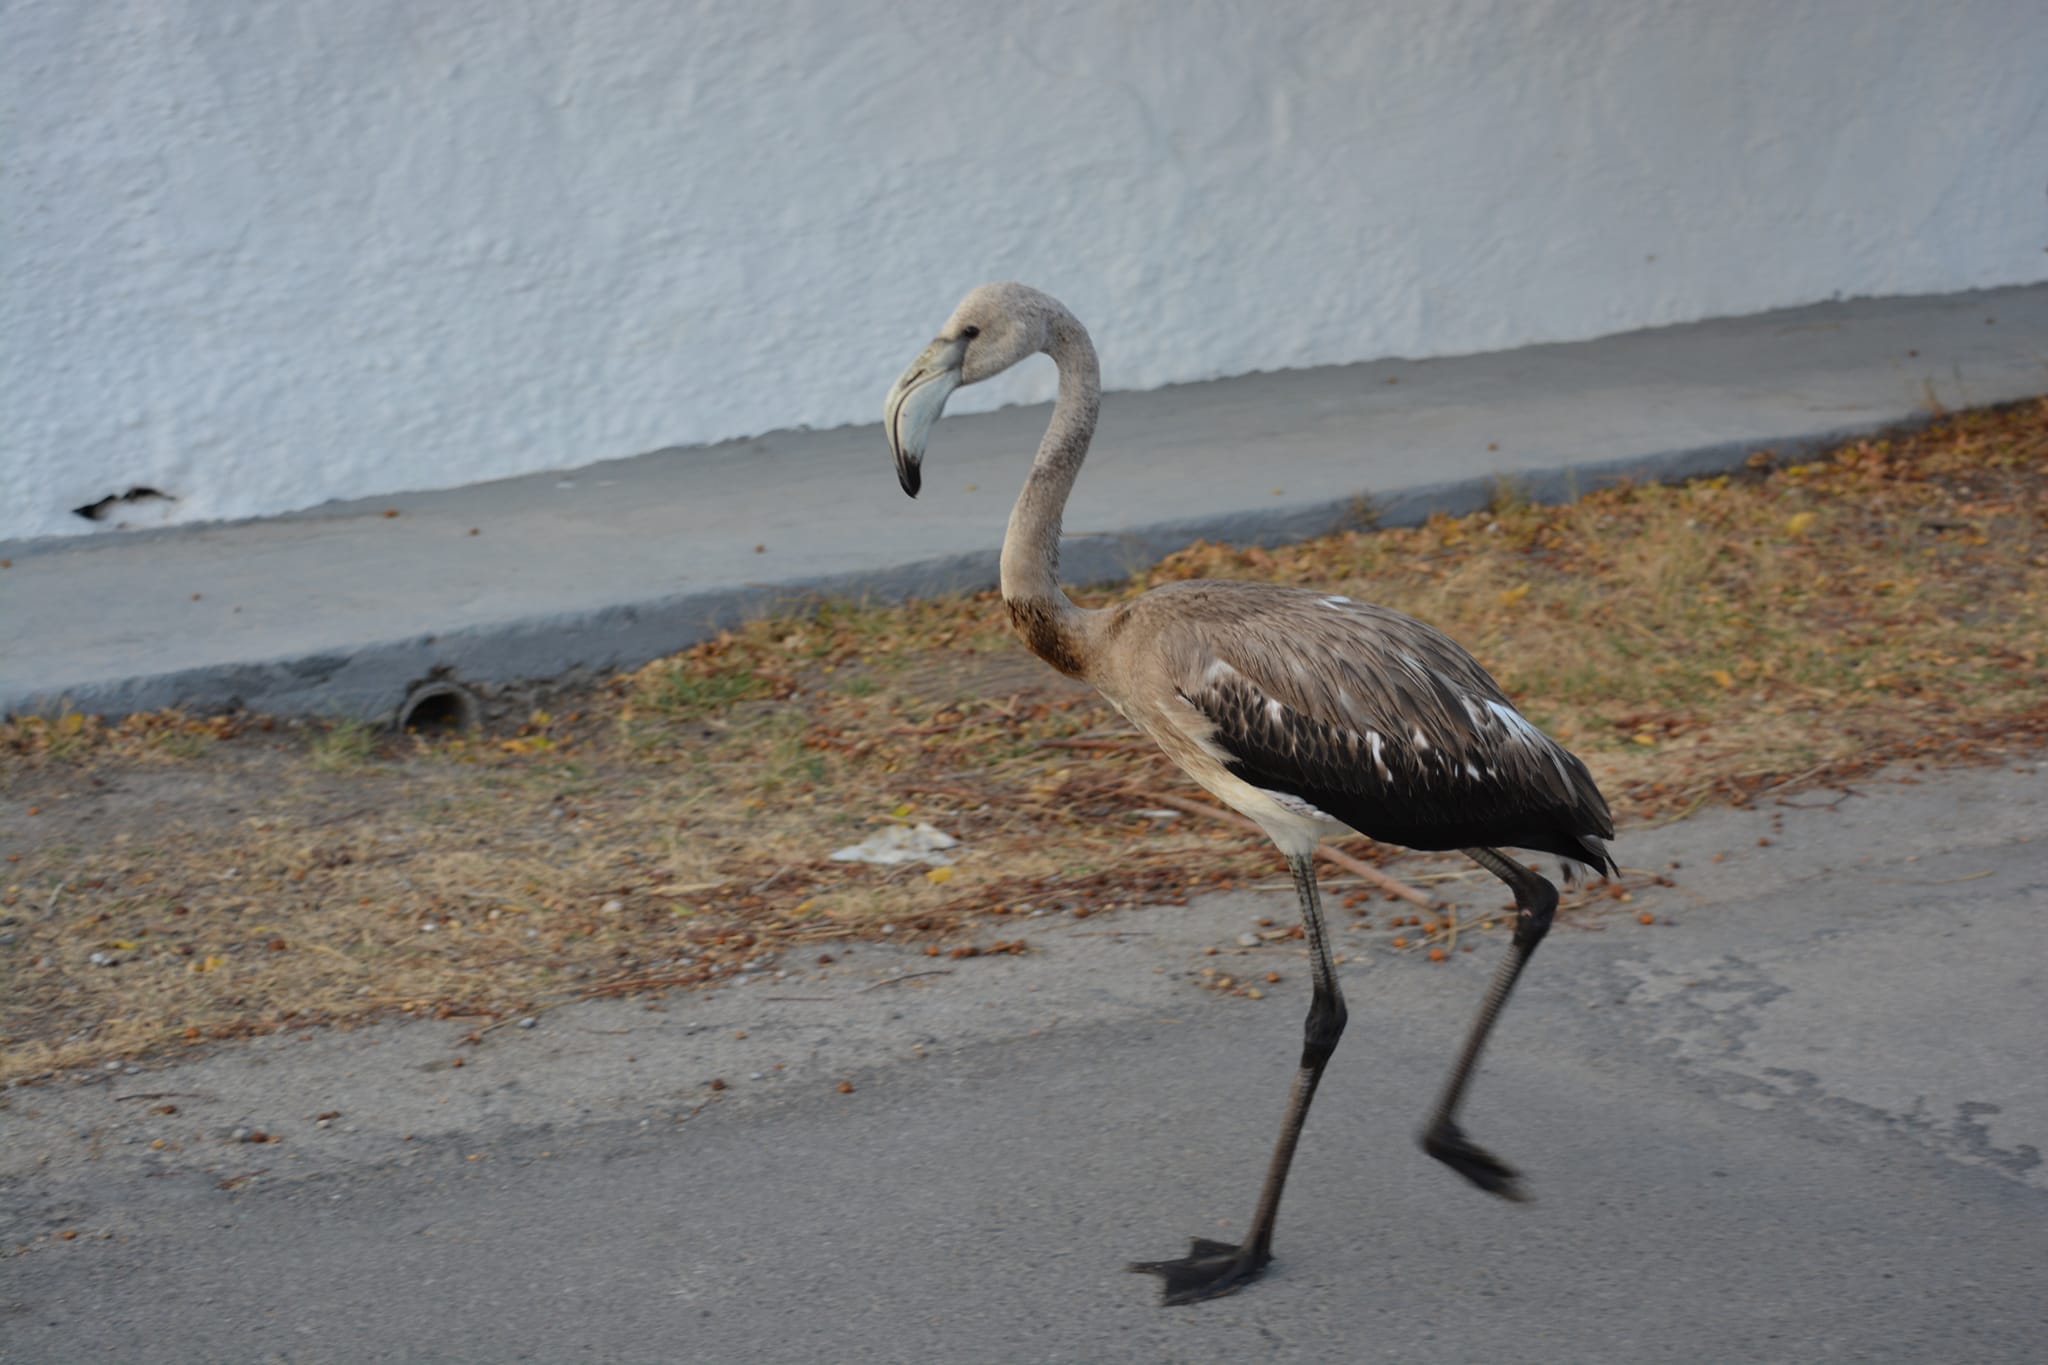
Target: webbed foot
{"type": "Point", "coordinates": [1447, 1143]}
{"type": "Point", "coordinates": [1209, 1271]}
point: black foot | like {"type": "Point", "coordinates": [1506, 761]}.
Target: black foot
{"type": "Point", "coordinates": [1209, 1271]}
{"type": "Point", "coordinates": [1447, 1143]}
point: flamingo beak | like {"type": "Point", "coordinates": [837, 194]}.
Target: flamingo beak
{"type": "Point", "coordinates": [914, 405]}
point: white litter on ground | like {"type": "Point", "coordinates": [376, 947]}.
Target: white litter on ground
{"type": "Point", "coordinates": [900, 844]}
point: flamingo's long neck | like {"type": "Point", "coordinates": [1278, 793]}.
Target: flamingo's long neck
{"type": "Point", "coordinates": [1048, 621]}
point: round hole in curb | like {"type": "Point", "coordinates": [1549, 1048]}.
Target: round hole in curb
{"type": "Point", "coordinates": [439, 709]}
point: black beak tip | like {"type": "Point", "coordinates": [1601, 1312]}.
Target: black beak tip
{"type": "Point", "coordinates": [911, 477]}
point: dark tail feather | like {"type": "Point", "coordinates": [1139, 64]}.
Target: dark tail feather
{"type": "Point", "coordinates": [1591, 852]}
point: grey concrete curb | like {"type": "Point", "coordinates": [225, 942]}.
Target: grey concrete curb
{"type": "Point", "coordinates": [516, 584]}
{"type": "Point", "coordinates": [371, 681]}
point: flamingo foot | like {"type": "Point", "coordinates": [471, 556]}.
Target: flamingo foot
{"type": "Point", "coordinates": [1209, 1271]}
{"type": "Point", "coordinates": [1447, 1142]}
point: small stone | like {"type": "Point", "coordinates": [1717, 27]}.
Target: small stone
{"type": "Point", "coordinates": [1247, 940]}
{"type": "Point", "coordinates": [240, 1135]}
{"type": "Point", "coordinates": [612, 907]}
{"type": "Point", "coordinates": [529, 1022]}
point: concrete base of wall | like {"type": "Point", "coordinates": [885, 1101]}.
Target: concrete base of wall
{"type": "Point", "coordinates": [342, 609]}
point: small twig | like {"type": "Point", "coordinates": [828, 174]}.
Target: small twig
{"type": "Point", "coordinates": [890, 981]}
{"type": "Point", "coordinates": [800, 997]}
{"type": "Point", "coordinates": [1358, 868]}
{"type": "Point", "coordinates": [641, 983]}
{"type": "Point", "coordinates": [533, 1012]}
{"type": "Point", "coordinates": [1815, 770]}
{"type": "Point", "coordinates": [1197, 808]}
{"type": "Point", "coordinates": [915, 730]}
{"type": "Point", "coordinates": [1112, 746]}
{"type": "Point", "coordinates": [1946, 881]}
{"type": "Point", "coordinates": [1452, 926]}
{"type": "Point", "coordinates": [941, 789]}
{"type": "Point", "coordinates": [1697, 802]}
{"type": "Point", "coordinates": [341, 819]}
{"type": "Point", "coordinates": [164, 1095]}
{"type": "Point", "coordinates": [758, 887]}
{"type": "Point", "coordinates": [328, 948]}
{"type": "Point", "coordinates": [1836, 804]}
{"type": "Point", "coordinates": [1106, 732]}
{"type": "Point", "coordinates": [1336, 857]}
{"type": "Point", "coordinates": [1432, 878]}
{"type": "Point", "coordinates": [694, 1112]}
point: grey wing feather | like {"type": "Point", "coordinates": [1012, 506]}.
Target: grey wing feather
{"type": "Point", "coordinates": [1377, 718]}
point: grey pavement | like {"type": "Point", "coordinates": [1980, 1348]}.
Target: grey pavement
{"type": "Point", "coordinates": [1801, 1118]}
{"type": "Point", "coordinates": [341, 608]}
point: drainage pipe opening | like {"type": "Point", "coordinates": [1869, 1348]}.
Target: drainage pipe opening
{"type": "Point", "coordinates": [439, 709]}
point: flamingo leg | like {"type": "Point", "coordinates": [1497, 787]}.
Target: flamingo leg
{"type": "Point", "coordinates": [1442, 1138]}
{"type": "Point", "coordinates": [1212, 1269]}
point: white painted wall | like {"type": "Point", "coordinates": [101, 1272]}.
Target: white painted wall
{"type": "Point", "coordinates": [262, 255]}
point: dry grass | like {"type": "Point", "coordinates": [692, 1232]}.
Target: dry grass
{"type": "Point", "coordinates": [1693, 642]}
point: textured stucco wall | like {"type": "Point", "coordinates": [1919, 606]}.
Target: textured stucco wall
{"type": "Point", "coordinates": [262, 255]}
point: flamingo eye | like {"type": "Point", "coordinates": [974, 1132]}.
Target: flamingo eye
{"type": "Point", "coordinates": [970, 333]}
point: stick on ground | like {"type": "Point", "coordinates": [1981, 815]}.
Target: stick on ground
{"type": "Point", "coordinates": [1329, 855]}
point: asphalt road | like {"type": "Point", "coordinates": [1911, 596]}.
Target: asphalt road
{"type": "Point", "coordinates": [1800, 1121]}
